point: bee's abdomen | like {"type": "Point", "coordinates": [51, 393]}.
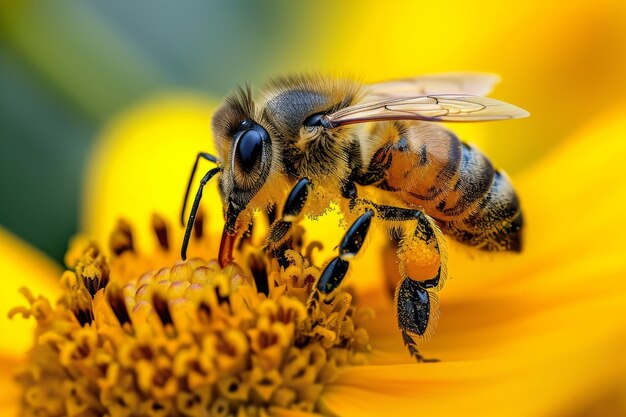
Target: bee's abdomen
{"type": "Point", "coordinates": [454, 183]}
{"type": "Point", "coordinates": [495, 222]}
{"type": "Point", "coordinates": [473, 180]}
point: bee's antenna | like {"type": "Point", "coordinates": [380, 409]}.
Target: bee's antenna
{"type": "Point", "coordinates": [194, 210]}
{"type": "Point", "coordinates": [206, 156]}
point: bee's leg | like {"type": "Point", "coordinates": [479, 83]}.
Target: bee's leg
{"type": "Point", "coordinates": [390, 251]}
{"type": "Point", "coordinates": [422, 267]}
{"type": "Point", "coordinates": [413, 303]}
{"type": "Point", "coordinates": [194, 210]}
{"type": "Point", "coordinates": [280, 229]}
{"type": "Point", "coordinates": [206, 156]}
{"type": "Point", "coordinates": [419, 250]}
{"type": "Point", "coordinates": [350, 245]}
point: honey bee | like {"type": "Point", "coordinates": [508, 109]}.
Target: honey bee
{"type": "Point", "coordinates": [377, 152]}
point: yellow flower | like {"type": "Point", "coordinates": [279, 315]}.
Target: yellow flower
{"type": "Point", "coordinates": [189, 339]}
{"type": "Point", "coordinates": [542, 333]}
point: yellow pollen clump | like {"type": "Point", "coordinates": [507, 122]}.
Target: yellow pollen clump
{"type": "Point", "coordinates": [189, 339]}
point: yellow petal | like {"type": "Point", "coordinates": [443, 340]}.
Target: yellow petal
{"type": "Point", "coordinates": [21, 266]}
{"type": "Point", "coordinates": [537, 374]}
{"type": "Point", "coordinates": [284, 412]}
{"type": "Point", "coordinates": [142, 163]}
{"type": "Point", "coordinates": [560, 360]}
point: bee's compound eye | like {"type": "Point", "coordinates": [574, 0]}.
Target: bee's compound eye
{"type": "Point", "coordinates": [249, 148]}
{"type": "Point", "coordinates": [315, 120]}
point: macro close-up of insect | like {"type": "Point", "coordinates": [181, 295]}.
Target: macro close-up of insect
{"type": "Point", "coordinates": [376, 151]}
{"type": "Point", "coordinates": [268, 209]}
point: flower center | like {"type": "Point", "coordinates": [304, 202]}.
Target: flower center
{"type": "Point", "coordinates": [190, 339]}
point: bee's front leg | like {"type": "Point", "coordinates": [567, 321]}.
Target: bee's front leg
{"type": "Point", "coordinates": [194, 209]}
{"type": "Point", "coordinates": [203, 155]}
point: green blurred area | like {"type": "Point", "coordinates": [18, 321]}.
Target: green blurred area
{"type": "Point", "coordinates": [66, 67]}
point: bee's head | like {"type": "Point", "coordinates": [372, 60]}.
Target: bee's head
{"type": "Point", "coordinates": [256, 144]}
{"type": "Point", "coordinates": [246, 151]}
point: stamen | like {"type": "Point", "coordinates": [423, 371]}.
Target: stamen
{"type": "Point", "coordinates": [259, 273]}
{"type": "Point", "coordinates": [84, 317]}
{"type": "Point", "coordinates": [93, 270]}
{"type": "Point", "coordinates": [115, 299]}
{"type": "Point", "coordinates": [311, 247]}
{"type": "Point", "coordinates": [198, 225]}
{"type": "Point", "coordinates": [162, 309]}
{"type": "Point", "coordinates": [160, 230]}
{"type": "Point", "coordinates": [121, 239]}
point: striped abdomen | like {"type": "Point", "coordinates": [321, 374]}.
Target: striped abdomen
{"type": "Point", "coordinates": [455, 183]}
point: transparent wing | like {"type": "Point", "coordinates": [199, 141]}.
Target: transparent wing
{"type": "Point", "coordinates": [433, 108]}
{"type": "Point", "coordinates": [474, 84]}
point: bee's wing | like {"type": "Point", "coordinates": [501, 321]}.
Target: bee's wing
{"type": "Point", "coordinates": [432, 108]}
{"type": "Point", "coordinates": [474, 84]}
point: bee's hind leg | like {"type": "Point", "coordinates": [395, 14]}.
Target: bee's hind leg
{"type": "Point", "coordinates": [422, 268]}
{"type": "Point", "coordinates": [414, 303]}
{"type": "Point", "coordinates": [414, 308]}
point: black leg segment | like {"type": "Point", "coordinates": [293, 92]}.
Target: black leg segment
{"type": "Point", "coordinates": [410, 344]}
{"type": "Point", "coordinates": [203, 155]}
{"type": "Point", "coordinates": [296, 200]}
{"type": "Point", "coordinates": [194, 210]}
{"type": "Point", "coordinates": [291, 210]}
{"type": "Point", "coordinates": [332, 275]}
{"type": "Point", "coordinates": [355, 236]}
{"type": "Point", "coordinates": [413, 306]}
{"type": "Point", "coordinates": [413, 309]}
{"type": "Point", "coordinates": [351, 243]}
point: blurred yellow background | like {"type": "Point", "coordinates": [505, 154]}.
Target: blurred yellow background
{"type": "Point", "coordinates": [68, 69]}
